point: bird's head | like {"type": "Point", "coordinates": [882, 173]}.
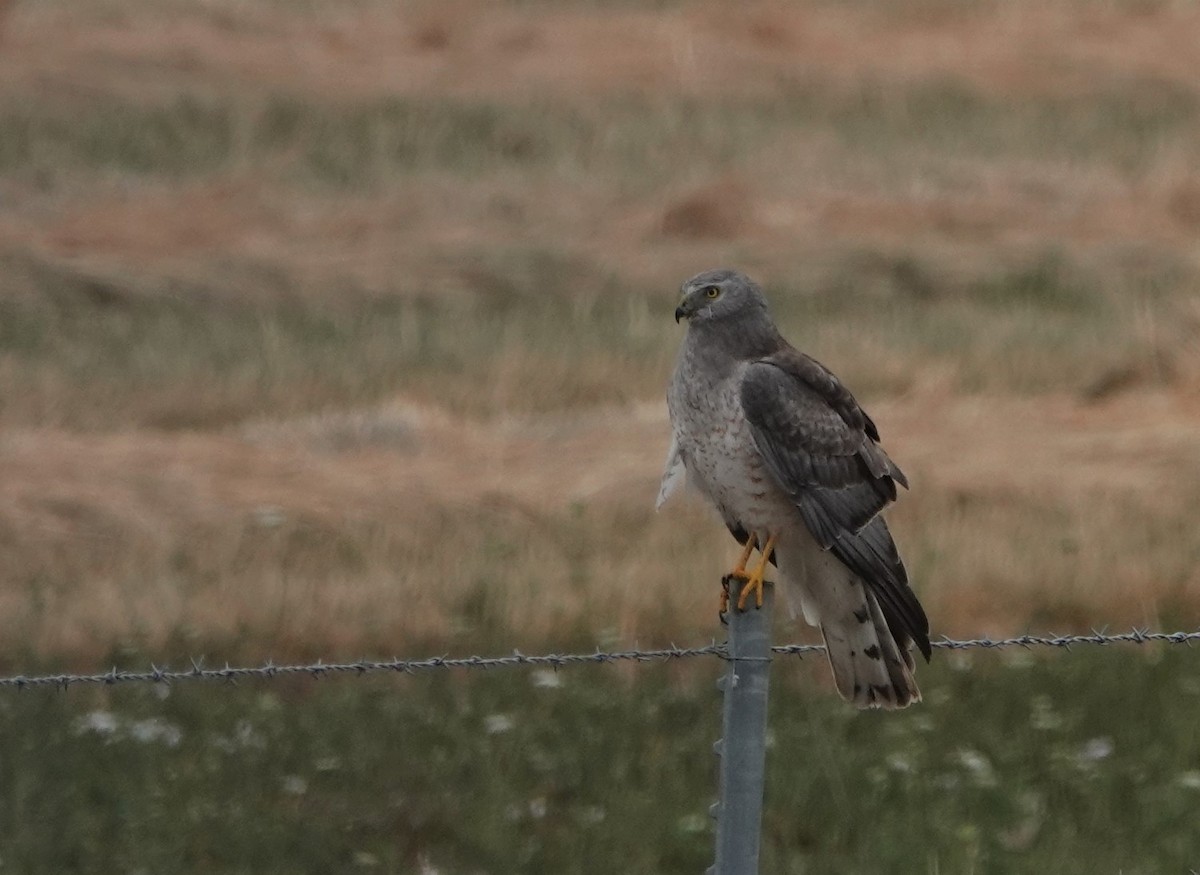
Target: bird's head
{"type": "Point", "coordinates": [719, 294]}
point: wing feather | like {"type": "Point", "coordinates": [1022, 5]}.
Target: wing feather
{"type": "Point", "coordinates": [872, 555]}
{"type": "Point", "coordinates": [823, 450]}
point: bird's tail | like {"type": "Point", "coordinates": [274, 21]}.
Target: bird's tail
{"type": "Point", "coordinates": [870, 668]}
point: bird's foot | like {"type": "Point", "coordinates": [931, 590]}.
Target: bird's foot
{"type": "Point", "coordinates": [738, 573]}
{"type": "Point", "coordinates": [755, 579]}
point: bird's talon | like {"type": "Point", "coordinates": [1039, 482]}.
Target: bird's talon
{"type": "Point", "coordinates": [753, 585]}
{"type": "Point", "coordinates": [755, 579]}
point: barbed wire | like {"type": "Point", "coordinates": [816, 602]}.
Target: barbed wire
{"type": "Point", "coordinates": [269, 670]}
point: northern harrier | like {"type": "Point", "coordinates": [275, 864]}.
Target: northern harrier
{"type": "Point", "coordinates": [794, 467]}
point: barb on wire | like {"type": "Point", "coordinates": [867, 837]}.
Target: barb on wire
{"type": "Point", "coordinates": [320, 668]}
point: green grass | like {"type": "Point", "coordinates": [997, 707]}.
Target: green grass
{"type": "Point", "coordinates": [1077, 762]}
{"type": "Point", "coordinates": [1124, 125]}
{"type": "Point", "coordinates": [522, 329]}
{"type": "Point", "coordinates": [126, 350]}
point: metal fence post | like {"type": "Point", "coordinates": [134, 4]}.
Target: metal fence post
{"type": "Point", "coordinates": [742, 748]}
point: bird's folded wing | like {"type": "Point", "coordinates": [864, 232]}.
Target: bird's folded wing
{"type": "Point", "coordinates": [812, 436]}
{"type": "Point", "coordinates": [822, 450]}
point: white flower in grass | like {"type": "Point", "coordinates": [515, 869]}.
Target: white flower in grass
{"type": "Point", "coordinates": [547, 679]}
{"type": "Point", "coordinates": [1096, 749]}
{"type": "Point", "coordinates": [327, 764]}
{"type": "Point", "coordinates": [938, 696]}
{"type": "Point", "coordinates": [1189, 780]}
{"type": "Point", "coordinates": [1088, 757]}
{"type": "Point", "coordinates": [148, 731]}
{"type": "Point", "coordinates": [99, 722]}
{"type": "Point", "coordinates": [494, 724]}
{"type": "Point", "coordinates": [898, 762]}
{"type": "Point", "coordinates": [1044, 716]}
{"type": "Point", "coordinates": [978, 766]}
{"type": "Point", "coordinates": [155, 729]}
{"type": "Point", "coordinates": [295, 785]}
{"type": "Point", "coordinates": [245, 735]}
{"type": "Point", "coordinates": [1019, 659]}
{"type": "Point", "coordinates": [923, 722]}
{"type": "Point", "coordinates": [960, 660]}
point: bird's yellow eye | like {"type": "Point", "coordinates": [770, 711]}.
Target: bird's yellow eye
{"type": "Point", "coordinates": [712, 291]}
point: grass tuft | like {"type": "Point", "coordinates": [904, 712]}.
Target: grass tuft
{"type": "Point", "coordinates": [1014, 762]}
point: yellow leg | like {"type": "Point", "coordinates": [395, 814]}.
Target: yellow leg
{"type": "Point", "coordinates": [754, 581]}
{"type": "Point", "coordinates": [738, 573]}
{"type": "Point", "coordinates": [739, 570]}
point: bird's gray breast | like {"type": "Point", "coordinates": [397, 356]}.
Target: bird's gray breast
{"type": "Point", "coordinates": [718, 447]}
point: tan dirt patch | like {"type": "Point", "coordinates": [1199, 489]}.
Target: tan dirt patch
{"type": "Point", "coordinates": [473, 48]}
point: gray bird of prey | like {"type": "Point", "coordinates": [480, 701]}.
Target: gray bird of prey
{"type": "Point", "coordinates": [794, 467]}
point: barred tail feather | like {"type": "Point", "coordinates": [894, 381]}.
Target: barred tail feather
{"type": "Point", "coordinates": [870, 669]}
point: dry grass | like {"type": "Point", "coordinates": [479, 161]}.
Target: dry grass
{"type": "Point", "coordinates": [345, 328]}
{"type": "Point", "coordinates": [403, 524]}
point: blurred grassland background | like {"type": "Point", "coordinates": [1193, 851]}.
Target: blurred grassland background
{"type": "Point", "coordinates": [343, 328]}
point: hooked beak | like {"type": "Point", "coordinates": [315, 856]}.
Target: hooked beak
{"type": "Point", "coordinates": [681, 312]}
